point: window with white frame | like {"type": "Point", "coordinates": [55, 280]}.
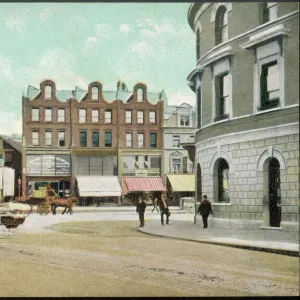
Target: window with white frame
{"type": "Point", "coordinates": [140, 140]}
{"type": "Point", "coordinates": [128, 116]}
{"type": "Point", "coordinates": [140, 117]}
{"type": "Point", "coordinates": [95, 93]}
{"type": "Point", "coordinates": [48, 115]}
{"type": "Point", "coordinates": [61, 115]}
{"type": "Point", "coordinates": [184, 120]}
{"type": "Point", "coordinates": [221, 28]}
{"type": "Point", "coordinates": [140, 93]}
{"type": "Point", "coordinates": [269, 11]}
{"type": "Point", "coordinates": [61, 139]}
{"type": "Point", "coordinates": [95, 139]}
{"type": "Point", "coordinates": [268, 77]}
{"type": "Point", "coordinates": [35, 138]}
{"type": "Point", "coordinates": [128, 139]}
{"type": "Point", "coordinates": [176, 165]}
{"type": "Point", "coordinates": [35, 114]}
{"type": "Point", "coordinates": [48, 92]}
{"type": "Point", "coordinates": [95, 115]}
{"type": "Point", "coordinates": [108, 116]}
{"type": "Point", "coordinates": [82, 115]}
{"type": "Point", "coordinates": [152, 117]}
{"type": "Point", "coordinates": [48, 138]}
{"type": "Point", "coordinates": [153, 140]}
{"type": "Point", "coordinates": [176, 141]}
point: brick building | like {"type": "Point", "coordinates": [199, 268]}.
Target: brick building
{"type": "Point", "coordinates": [246, 82]}
{"type": "Point", "coordinates": [88, 142]}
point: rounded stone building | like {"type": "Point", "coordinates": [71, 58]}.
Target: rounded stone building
{"type": "Point", "coordinates": [246, 82]}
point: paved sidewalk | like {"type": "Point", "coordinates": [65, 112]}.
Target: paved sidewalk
{"type": "Point", "coordinates": [183, 227]}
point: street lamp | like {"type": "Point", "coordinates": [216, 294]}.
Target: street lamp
{"type": "Point", "coordinates": [19, 186]}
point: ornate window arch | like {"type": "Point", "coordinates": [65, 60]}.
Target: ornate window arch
{"type": "Point", "coordinates": [216, 6]}
{"type": "Point", "coordinates": [221, 28]}
{"type": "Point", "coordinates": [270, 153]}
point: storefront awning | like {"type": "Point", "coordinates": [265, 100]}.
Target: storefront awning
{"type": "Point", "coordinates": [144, 184]}
{"type": "Point", "coordinates": [182, 183]}
{"type": "Point", "coordinates": [98, 186]}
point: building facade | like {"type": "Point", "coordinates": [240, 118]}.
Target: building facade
{"type": "Point", "coordinates": [179, 127]}
{"type": "Point", "coordinates": [246, 82]}
{"type": "Point", "coordinates": [91, 143]}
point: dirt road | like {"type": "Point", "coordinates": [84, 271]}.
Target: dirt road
{"type": "Point", "coordinates": [113, 259]}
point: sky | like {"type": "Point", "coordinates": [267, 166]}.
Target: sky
{"type": "Point", "coordinates": [77, 43]}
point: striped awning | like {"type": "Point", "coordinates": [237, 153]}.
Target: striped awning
{"type": "Point", "coordinates": [182, 183]}
{"type": "Point", "coordinates": [144, 184]}
{"type": "Point", "coordinates": [98, 186]}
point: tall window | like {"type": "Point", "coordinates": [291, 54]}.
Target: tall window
{"type": "Point", "coordinates": [176, 141]}
{"type": "Point", "coordinates": [83, 138]}
{"type": "Point", "coordinates": [198, 44]}
{"type": "Point", "coordinates": [221, 29]}
{"type": "Point", "coordinates": [223, 188]}
{"type": "Point", "coordinates": [128, 116]}
{"type": "Point", "coordinates": [184, 120]}
{"type": "Point", "coordinates": [128, 139]}
{"type": "Point", "coordinates": [222, 96]}
{"type": "Point", "coordinates": [176, 165]}
{"type": "Point", "coordinates": [95, 139]}
{"type": "Point", "coordinates": [95, 93]}
{"type": "Point", "coordinates": [61, 139]}
{"type": "Point", "coordinates": [140, 117]}
{"type": "Point", "coordinates": [35, 114]}
{"type": "Point", "coordinates": [48, 92]}
{"type": "Point", "coordinates": [95, 116]}
{"type": "Point", "coordinates": [153, 140]}
{"type": "Point", "coordinates": [269, 11]}
{"type": "Point", "coordinates": [108, 116]}
{"type": "Point", "coordinates": [61, 115]}
{"type": "Point", "coordinates": [152, 117]}
{"type": "Point", "coordinates": [140, 140]}
{"type": "Point", "coordinates": [35, 138]}
{"type": "Point", "coordinates": [48, 115]}
{"type": "Point", "coordinates": [82, 115]}
{"type": "Point", "coordinates": [140, 94]}
{"type": "Point", "coordinates": [48, 138]}
{"type": "Point", "coordinates": [108, 139]}
{"type": "Point", "coordinates": [269, 85]}
{"type": "Point", "coordinates": [199, 107]}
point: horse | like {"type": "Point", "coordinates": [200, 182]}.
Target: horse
{"type": "Point", "coordinates": [67, 203]}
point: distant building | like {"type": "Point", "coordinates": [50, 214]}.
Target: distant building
{"type": "Point", "coordinates": [10, 157]}
{"type": "Point", "coordinates": [179, 127]}
{"type": "Point", "coordinates": [95, 144]}
{"type": "Point", "coordinates": [246, 81]}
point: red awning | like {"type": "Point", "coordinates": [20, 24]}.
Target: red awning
{"type": "Point", "coordinates": [144, 184]}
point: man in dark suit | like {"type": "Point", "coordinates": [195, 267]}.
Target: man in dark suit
{"type": "Point", "coordinates": [205, 210]}
{"type": "Point", "coordinates": [140, 208]}
{"type": "Point", "coordinates": [164, 209]}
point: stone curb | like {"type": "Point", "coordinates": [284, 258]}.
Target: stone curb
{"type": "Point", "coordinates": [239, 246]}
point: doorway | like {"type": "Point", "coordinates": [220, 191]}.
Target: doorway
{"type": "Point", "coordinates": [274, 193]}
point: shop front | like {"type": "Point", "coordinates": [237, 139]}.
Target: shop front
{"type": "Point", "coordinates": [48, 169]}
{"type": "Point", "coordinates": [179, 186]}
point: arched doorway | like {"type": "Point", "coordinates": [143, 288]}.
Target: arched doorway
{"type": "Point", "coordinates": [199, 184]}
{"type": "Point", "coordinates": [274, 192]}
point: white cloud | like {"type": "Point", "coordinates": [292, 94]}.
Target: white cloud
{"type": "Point", "coordinates": [90, 44]}
{"type": "Point", "coordinates": [6, 69]}
{"type": "Point", "coordinates": [17, 20]}
{"type": "Point", "coordinates": [179, 98]}
{"type": "Point", "coordinates": [125, 28]}
{"type": "Point", "coordinates": [105, 30]}
{"type": "Point", "coordinates": [10, 123]}
{"type": "Point", "coordinates": [142, 48]}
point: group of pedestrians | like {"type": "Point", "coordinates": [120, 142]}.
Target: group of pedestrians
{"type": "Point", "coordinates": [204, 209]}
{"type": "Point", "coordinates": [158, 202]}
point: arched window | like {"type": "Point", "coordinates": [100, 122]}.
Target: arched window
{"type": "Point", "coordinates": [95, 93]}
{"type": "Point", "coordinates": [140, 94]}
{"type": "Point", "coordinates": [221, 185]}
{"type": "Point", "coordinates": [48, 92]}
{"type": "Point", "coordinates": [199, 184]}
{"type": "Point", "coordinates": [198, 44]}
{"type": "Point", "coordinates": [221, 28]}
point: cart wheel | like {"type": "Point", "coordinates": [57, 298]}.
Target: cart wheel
{"type": "Point", "coordinates": [43, 210]}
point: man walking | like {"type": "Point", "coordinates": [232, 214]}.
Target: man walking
{"type": "Point", "coordinates": [155, 204]}
{"type": "Point", "coordinates": [205, 210]}
{"type": "Point", "coordinates": [164, 209]}
{"type": "Point", "coordinates": [140, 208]}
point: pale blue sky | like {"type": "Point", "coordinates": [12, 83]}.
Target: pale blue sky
{"type": "Point", "coordinates": [77, 43]}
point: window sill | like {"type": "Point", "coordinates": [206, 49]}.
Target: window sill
{"type": "Point", "coordinates": [269, 105]}
{"type": "Point", "coordinates": [220, 118]}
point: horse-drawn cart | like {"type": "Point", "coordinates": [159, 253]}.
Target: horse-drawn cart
{"type": "Point", "coordinates": [43, 204]}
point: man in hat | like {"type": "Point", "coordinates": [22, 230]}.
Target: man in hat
{"type": "Point", "coordinates": [205, 210]}
{"type": "Point", "coordinates": [164, 209]}
{"type": "Point", "coordinates": [140, 208]}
